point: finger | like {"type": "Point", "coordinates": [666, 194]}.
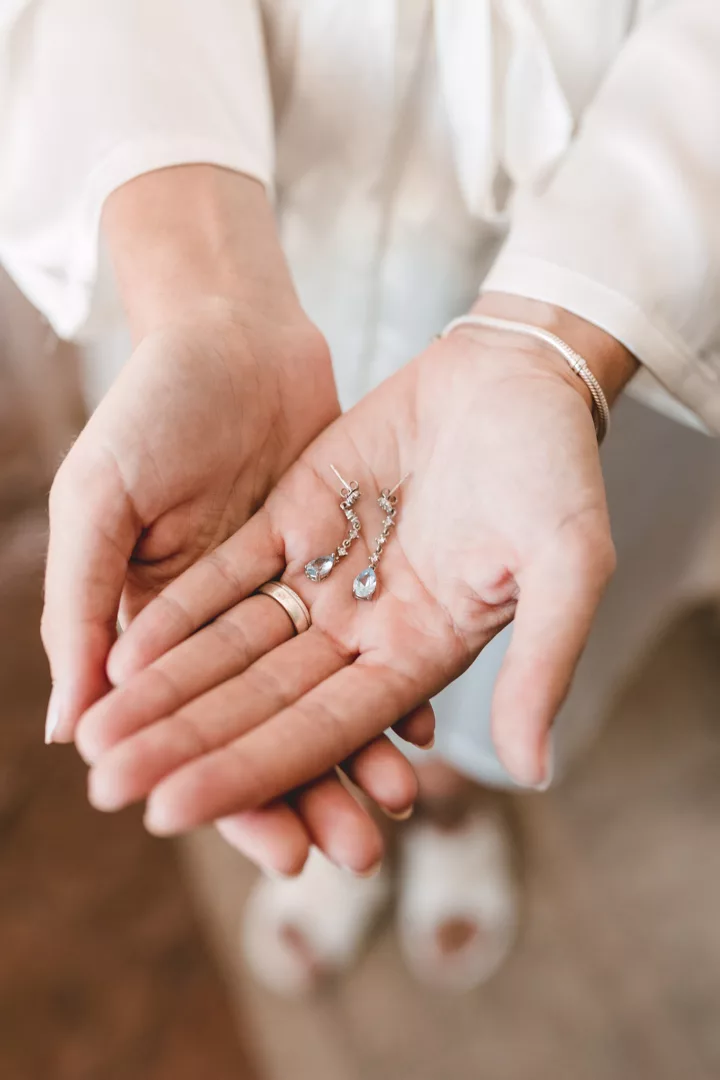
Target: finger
{"type": "Point", "coordinates": [274, 837]}
{"type": "Point", "coordinates": [418, 727]}
{"type": "Point", "coordinates": [325, 726]}
{"type": "Point", "coordinates": [385, 775]}
{"type": "Point", "coordinates": [557, 603]}
{"type": "Point", "coordinates": [129, 770]}
{"type": "Point", "coordinates": [213, 584]}
{"type": "Point", "coordinates": [93, 530]}
{"type": "Point", "coordinates": [339, 825]}
{"type": "Point", "coordinates": [225, 648]}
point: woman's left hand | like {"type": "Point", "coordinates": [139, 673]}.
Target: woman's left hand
{"type": "Point", "coordinates": [503, 516]}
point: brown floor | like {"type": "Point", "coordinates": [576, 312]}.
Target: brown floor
{"type": "Point", "coordinates": [105, 974]}
{"type": "Point", "coordinates": [617, 974]}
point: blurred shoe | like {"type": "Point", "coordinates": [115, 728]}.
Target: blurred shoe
{"type": "Point", "coordinates": [457, 913]}
{"type": "Point", "coordinates": [299, 931]}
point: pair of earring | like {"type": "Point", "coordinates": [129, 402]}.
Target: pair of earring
{"type": "Point", "coordinates": [365, 583]}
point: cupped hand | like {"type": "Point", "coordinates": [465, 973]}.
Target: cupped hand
{"type": "Point", "coordinates": [206, 416]}
{"type": "Point", "coordinates": [229, 383]}
{"type": "Point", "coordinates": [202, 422]}
{"type": "Point", "coordinates": [503, 516]}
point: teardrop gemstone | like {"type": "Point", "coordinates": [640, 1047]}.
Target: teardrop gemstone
{"type": "Point", "coordinates": [319, 568]}
{"type": "Point", "coordinates": [365, 584]}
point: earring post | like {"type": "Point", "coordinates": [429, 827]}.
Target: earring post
{"type": "Point", "coordinates": [407, 474]}
{"type": "Point", "coordinates": [343, 482]}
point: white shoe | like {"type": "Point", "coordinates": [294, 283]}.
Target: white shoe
{"type": "Point", "coordinates": [298, 930]}
{"type": "Point", "coordinates": [458, 905]}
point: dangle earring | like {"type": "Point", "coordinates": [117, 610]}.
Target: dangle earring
{"type": "Point", "coordinates": [318, 569]}
{"type": "Point", "coordinates": [365, 583]}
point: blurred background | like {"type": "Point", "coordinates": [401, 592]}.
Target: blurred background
{"type": "Point", "coordinates": [119, 955]}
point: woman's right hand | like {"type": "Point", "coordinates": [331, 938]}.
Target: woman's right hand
{"type": "Point", "coordinates": [228, 384]}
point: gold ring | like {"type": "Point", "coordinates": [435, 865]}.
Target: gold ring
{"type": "Point", "coordinates": [288, 599]}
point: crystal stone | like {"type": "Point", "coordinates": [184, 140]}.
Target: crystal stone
{"type": "Point", "coordinates": [365, 584]}
{"type": "Point", "coordinates": [319, 568]}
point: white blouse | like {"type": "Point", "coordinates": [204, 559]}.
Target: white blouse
{"type": "Point", "coordinates": [565, 150]}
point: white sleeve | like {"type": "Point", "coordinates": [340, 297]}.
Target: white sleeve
{"type": "Point", "coordinates": [627, 232]}
{"type": "Point", "coordinates": [96, 92]}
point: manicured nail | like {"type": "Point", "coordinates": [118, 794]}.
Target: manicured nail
{"type": "Point", "coordinates": [278, 875]}
{"type": "Point", "coordinates": [155, 820]}
{"type": "Point", "coordinates": [102, 797]}
{"type": "Point", "coordinates": [372, 872]}
{"type": "Point", "coordinates": [428, 745]}
{"type": "Point", "coordinates": [547, 779]}
{"type": "Point", "coordinates": [522, 763]}
{"type": "Point", "coordinates": [53, 715]}
{"type": "Point", "coordinates": [398, 815]}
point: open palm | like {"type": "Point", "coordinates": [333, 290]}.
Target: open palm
{"type": "Point", "coordinates": [503, 516]}
{"type": "Point", "coordinates": [206, 416]}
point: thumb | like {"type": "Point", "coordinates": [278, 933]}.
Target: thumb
{"type": "Point", "coordinates": [558, 600]}
{"type": "Point", "coordinates": [93, 531]}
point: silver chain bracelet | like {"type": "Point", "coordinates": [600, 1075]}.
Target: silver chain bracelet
{"type": "Point", "coordinates": [600, 410]}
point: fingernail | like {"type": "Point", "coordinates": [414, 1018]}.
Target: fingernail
{"type": "Point", "coordinates": [104, 798]}
{"type": "Point", "coordinates": [547, 779]}
{"type": "Point", "coordinates": [398, 815]}
{"type": "Point", "coordinates": [154, 820]}
{"type": "Point", "coordinates": [372, 872]}
{"type": "Point", "coordinates": [521, 761]}
{"type": "Point", "coordinates": [53, 715]}
{"type": "Point", "coordinates": [427, 745]}
{"type": "Point", "coordinates": [278, 875]}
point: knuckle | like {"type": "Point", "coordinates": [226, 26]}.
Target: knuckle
{"type": "Point", "coordinates": [72, 484]}
{"type": "Point", "coordinates": [166, 613]}
{"type": "Point", "coordinates": [87, 478]}
{"type": "Point", "coordinates": [608, 558]}
{"type": "Point", "coordinates": [310, 343]}
{"type": "Point", "coordinates": [188, 735]}
{"type": "Point", "coordinates": [232, 634]}
{"type": "Point", "coordinates": [591, 551]}
{"type": "Point", "coordinates": [223, 565]}
{"type": "Point", "coordinates": [600, 557]}
{"type": "Point", "coordinates": [46, 634]}
{"type": "Point", "coordinates": [62, 487]}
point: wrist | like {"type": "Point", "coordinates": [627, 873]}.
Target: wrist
{"type": "Point", "coordinates": [196, 240]}
{"type": "Point", "coordinates": [610, 362]}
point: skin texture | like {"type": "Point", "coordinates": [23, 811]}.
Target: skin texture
{"type": "Point", "coordinates": [503, 517]}
{"type": "Point", "coordinates": [229, 381]}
